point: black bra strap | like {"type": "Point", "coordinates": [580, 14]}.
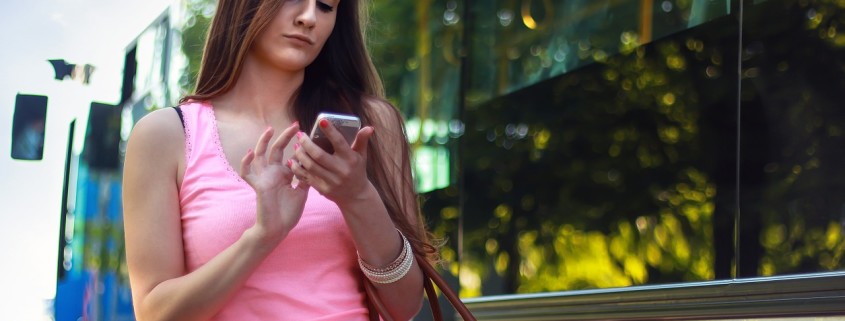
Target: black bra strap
{"type": "Point", "coordinates": [181, 118]}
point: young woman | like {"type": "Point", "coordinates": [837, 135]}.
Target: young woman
{"type": "Point", "coordinates": [233, 213]}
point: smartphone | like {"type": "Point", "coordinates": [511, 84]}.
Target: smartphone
{"type": "Point", "coordinates": [347, 125]}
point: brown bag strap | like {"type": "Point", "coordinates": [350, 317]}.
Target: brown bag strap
{"type": "Point", "coordinates": [376, 306]}
{"type": "Point", "coordinates": [433, 302]}
{"type": "Point", "coordinates": [433, 276]}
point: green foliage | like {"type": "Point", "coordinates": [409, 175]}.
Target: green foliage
{"type": "Point", "coordinates": [194, 33]}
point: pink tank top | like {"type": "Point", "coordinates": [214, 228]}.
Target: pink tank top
{"type": "Point", "coordinates": [311, 275]}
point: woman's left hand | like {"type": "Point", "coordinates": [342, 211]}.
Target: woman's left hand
{"type": "Point", "coordinates": [340, 177]}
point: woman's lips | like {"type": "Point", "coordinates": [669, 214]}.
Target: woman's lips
{"type": "Point", "coordinates": [301, 38]}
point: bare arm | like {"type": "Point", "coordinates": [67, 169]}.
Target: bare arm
{"type": "Point", "coordinates": [403, 299]}
{"type": "Point", "coordinates": [161, 287]}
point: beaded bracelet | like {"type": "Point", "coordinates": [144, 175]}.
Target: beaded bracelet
{"type": "Point", "coordinates": [394, 271]}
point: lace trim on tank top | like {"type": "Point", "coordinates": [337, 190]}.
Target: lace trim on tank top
{"type": "Point", "coordinates": [215, 133]}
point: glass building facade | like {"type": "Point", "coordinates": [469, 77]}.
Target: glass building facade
{"type": "Point", "coordinates": [567, 147]}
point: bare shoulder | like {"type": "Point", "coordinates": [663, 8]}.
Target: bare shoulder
{"type": "Point", "coordinates": [158, 135]}
{"type": "Point", "coordinates": [164, 121]}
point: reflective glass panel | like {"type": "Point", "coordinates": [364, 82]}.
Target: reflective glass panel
{"type": "Point", "coordinates": [613, 143]}
{"type": "Point", "coordinates": [521, 42]}
{"type": "Point", "coordinates": [792, 202]}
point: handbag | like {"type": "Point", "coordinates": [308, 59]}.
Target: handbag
{"type": "Point", "coordinates": [430, 275]}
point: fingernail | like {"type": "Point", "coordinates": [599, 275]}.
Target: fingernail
{"type": "Point", "coordinates": [295, 146]}
{"type": "Point", "coordinates": [324, 123]}
{"type": "Point", "coordinates": [290, 163]}
{"type": "Point", "coordinates": [298, 134]}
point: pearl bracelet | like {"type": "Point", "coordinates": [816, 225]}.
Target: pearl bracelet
{"type": "Point", "coordinates": [394, 271]}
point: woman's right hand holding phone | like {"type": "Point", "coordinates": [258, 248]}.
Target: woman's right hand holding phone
{"type": "Point", "coordinates": [340, 176]}
{"type": "Point", "coordinates": [279, 204]}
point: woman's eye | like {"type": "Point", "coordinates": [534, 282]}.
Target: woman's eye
{"type": "Point", "coordinates": [324, 7]}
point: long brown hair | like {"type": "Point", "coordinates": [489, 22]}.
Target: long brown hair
{"type": "Point", "coordinates": [341, 79]}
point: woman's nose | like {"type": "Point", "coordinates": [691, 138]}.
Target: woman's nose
{"type": "Point", "coordinates": [307, 17]}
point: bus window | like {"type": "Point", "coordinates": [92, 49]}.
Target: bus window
{"type": "Point", "coordinates": [28, 127]}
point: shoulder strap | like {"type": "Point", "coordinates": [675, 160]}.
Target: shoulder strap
{"type": "Point", "coordinates": [181, 117]}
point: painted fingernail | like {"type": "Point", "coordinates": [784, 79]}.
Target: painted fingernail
{"type": "Point", "coordinates": [290, 163]}
{"type": "Point", "coordinates": [324, 123]}
{"type": "Point", "coordinates": [298, 134]}
{"type": "Point", "coordinates": [295, 146]}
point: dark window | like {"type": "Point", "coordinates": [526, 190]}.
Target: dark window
{"type": "Point", "coordinates": [28, 126]}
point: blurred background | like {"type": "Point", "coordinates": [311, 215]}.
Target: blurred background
{"type": "Point", "coordinates": [560, 146]}
{"type": "Point", "coordinates": [92, 32]}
